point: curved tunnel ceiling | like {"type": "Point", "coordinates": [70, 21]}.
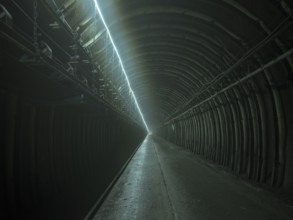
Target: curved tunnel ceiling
{"type": "Point", "coordinates": [172, 49]}
{"type": "Point", "coordinates": [214, 77]}
{"type": "Point", "coordinates": [181, 46]}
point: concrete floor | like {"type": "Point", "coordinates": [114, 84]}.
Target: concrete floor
{"type": "Point", "coordinates": [163, 181]}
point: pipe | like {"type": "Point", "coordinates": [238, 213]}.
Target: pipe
{"type": "Point", "coordinates": [250, 75]}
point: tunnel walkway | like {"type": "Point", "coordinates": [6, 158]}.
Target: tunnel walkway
{"type": "Point", "coordinates": [163, 181]}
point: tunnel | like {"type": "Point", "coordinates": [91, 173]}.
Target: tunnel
{"type": "Point", "coordinates": [149, 109]}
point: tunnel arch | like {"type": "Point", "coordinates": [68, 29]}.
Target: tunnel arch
{"type": "Point", "coordinates": [211, 76]}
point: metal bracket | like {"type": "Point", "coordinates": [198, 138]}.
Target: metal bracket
{"type": "Point", "coordinates": [5, 16]}
{"type": "Point", "coordinates": [46, 50]}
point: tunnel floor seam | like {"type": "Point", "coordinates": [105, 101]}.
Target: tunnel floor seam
{"type": "Point", "coordinates": [165, 183]}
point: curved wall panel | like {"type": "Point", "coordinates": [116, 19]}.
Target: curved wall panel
{"type": "Point", "coordinates": [56, 160]}
{"type": "Point", "coordinates": [247, 129]}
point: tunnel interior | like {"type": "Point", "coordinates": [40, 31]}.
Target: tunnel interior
{"type": "Point", "coordinates": [83, 82]}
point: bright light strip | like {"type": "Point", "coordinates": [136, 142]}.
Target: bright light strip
{"type": "Point", "coordinates": [121, 64]}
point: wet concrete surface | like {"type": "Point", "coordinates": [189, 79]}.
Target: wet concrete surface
{"type": "Point", "coordinates": [164, 181]}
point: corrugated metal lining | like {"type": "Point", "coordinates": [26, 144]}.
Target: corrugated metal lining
{"type": "Point", "coordinates": [62, 143]}
{"type": "Point", "coordinates": [183, 53]}
{"type": "Point", "coordinates": [245, 128]}
{"type": "Point", "coordinates": [214, 77]}
{"type": "Point", "coordinates": [240, 130]}
{"type": "Point", "coordinates": [181, 47]}
{"type": "Point", "coordinates": [59, 158]}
